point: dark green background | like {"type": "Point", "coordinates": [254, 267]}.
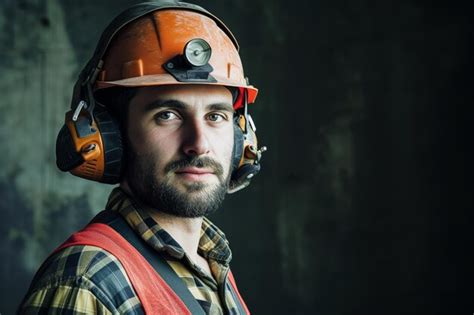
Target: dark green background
{"type": "Point", "coordinates": [364, 202]}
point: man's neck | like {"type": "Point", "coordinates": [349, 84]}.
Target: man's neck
{"type": "Point", "coordinates": [185, 231]}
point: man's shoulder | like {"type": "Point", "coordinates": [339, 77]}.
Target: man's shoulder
{"type": "Point", "coordinates": [76, 261]}
{"type": "Point", "coordinates": [82, 275]}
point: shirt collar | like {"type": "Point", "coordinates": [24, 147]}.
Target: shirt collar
{"type": "Point", "coordinates": [212, 243]}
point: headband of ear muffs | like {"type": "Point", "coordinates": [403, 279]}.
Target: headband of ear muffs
{"type": "Point", "coordinates": [89, 145]}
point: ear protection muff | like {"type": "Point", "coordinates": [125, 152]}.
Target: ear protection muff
{"type": "Point", "coordinates": [246, 156]}
{"type": "Point", "coordinates": [89, 145]}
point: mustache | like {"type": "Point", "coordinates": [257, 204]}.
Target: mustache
{"type": "Point", "coordinates": [194, 161]}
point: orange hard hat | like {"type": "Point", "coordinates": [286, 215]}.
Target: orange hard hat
{"type": "Point", "coordinates": [143, 53]}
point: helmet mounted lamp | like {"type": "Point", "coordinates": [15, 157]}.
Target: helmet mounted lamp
{"type": "Point", "coordinates": [193, 65]}
{"type": "Point", "coordinates": [197, 52]}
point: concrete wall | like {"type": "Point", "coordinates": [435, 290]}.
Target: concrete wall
{"type": "Point", "coordinates": [364, 202]}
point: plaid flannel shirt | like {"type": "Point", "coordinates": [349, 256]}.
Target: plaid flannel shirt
{"type": "Point", "coordinates": [87, 279]}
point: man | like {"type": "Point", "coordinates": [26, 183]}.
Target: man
{"type": "Point", "coordinates": [161, 109]}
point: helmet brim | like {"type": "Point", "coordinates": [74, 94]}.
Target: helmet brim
{"type": "Point", "coordinates": [167, 79]}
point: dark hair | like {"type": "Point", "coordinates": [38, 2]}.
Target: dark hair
{"type": "Point", "coordinates": [116, 100]}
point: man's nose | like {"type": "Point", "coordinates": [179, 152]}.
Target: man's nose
{"type": "Point", "coordinates": [195, 141]}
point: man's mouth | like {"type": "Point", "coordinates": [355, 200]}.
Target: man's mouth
{"type": "Point", "coordinates": [194, 173]}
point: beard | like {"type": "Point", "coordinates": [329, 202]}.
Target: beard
{"type": "Point", "coordinates": [199, 199]}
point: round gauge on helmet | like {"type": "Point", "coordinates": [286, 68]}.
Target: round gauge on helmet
{"type": "Point", "coordinates": [197, 52]}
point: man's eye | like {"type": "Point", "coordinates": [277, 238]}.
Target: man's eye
{"type": "Point", "coordinates": [166, 115]}
{"type": "Point", "coordinates": [216, 117]}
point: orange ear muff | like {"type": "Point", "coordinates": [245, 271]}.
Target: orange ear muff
{"type": "Point", "coordinates": [90, 148]}
{"type": "Point", "coordinates": [79, 148]}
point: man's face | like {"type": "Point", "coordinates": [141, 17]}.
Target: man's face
{"type": "Point", "coordinates": [180, 141]}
